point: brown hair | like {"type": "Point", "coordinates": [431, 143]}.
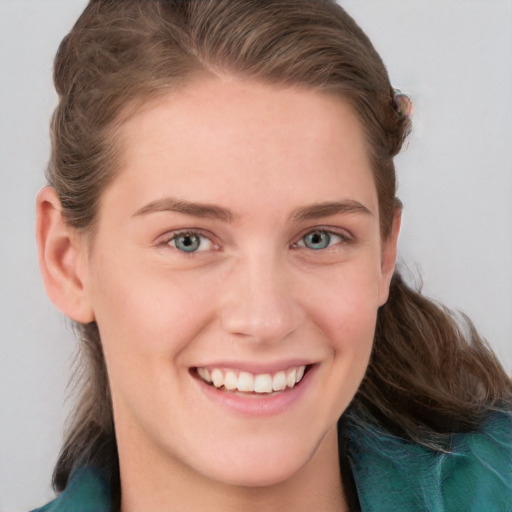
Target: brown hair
{"type": "Point", "coordinates": [429, 374]}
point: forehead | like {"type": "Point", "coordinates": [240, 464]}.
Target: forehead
{"type": "Point", "coordinates": [221, 136]}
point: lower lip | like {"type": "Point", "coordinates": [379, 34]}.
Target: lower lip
{"type": "Point", "coordinates": [257, 405]}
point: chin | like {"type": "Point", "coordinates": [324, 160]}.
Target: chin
{"type": "Point", "coordinates": [264, 463]}
{"type": "Point", "coordinates": [259, 474]}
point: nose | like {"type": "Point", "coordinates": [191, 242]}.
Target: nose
{"type": "Point", "coordinates": [259, 303]}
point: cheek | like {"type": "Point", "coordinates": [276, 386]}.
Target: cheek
{"type": "Point", "coordinates": [345, 309]}
{"type": "Point", "coordinates": [146, 325]}
{"type": "Point", "coordinates": [345, 305]}
{"type": "Point", "coordinates": [150, 315]}
{"type": "Point", "coordinates": [349, 326]}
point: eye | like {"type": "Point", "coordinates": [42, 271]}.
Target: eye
{"type": "Point", "coordinates": [190, 241]}
{"type": "Point", "coordinates": [320, 239]}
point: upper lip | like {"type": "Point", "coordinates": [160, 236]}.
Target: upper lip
{"type": "Point", "coordinates": [257, 367]}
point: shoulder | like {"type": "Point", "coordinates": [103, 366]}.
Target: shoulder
{"type": "Point", "coordinates": [87, 491]}
{"type": "Point", "coordinates": [474, 474]}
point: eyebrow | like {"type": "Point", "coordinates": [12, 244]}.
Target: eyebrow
{"type": "Point", "coordinates": [326, 209]}
{"type": "Point", "coordinates": [170, 204]}
{"type": "Point", "coordinates": [212, 211]}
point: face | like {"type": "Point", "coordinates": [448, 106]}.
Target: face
{"type": "Point", "coordinates": [235, 277]}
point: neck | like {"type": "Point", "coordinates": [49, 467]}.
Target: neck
{"type": "Point", "coordinates": [149, 482]}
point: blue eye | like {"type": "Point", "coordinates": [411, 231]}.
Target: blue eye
{"type": "Point", "coordinates": [317, 240]}
{"type": "Point", "coordinates": [190, 242]}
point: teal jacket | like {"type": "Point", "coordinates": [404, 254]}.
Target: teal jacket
{"type": "Point", "coordinates": [390, 474]}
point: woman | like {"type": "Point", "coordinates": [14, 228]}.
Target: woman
{"type": "Point", "coordinates": [221, 224]}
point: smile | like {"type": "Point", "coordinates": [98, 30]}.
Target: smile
{"type": "Point", "coordinates": [246, 382]}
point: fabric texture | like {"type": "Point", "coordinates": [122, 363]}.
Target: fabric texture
{"type": "Point", "coordinates": [87, 491]}
{"type": "Point", "coordinates": [394, 475]}
{"type": "Point", "coordinates": [390, 474]}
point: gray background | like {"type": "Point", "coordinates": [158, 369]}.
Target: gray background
{"type": "Point", "coordinates": [454, 57]}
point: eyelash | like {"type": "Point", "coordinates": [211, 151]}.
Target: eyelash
{"type": "Point", "coordinates": [171, 238]}
{"type": "Point", "coordinates": [344, 238]}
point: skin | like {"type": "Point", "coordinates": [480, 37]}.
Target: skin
{"type": "Point", "coordinates": [254, 293]}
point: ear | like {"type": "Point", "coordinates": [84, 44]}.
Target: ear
{"type": "Point", "coordinates": [61, 251]}
{"type": "Point", "coordinates": [388, 256]}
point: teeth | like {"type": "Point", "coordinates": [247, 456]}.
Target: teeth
{"type": "Point", "coordinates": [263, 383]}
{"type": "Point", "coordinates": [279, 381]}
{"type": "Point", "coordinates": [230, 381]}
{"type": "Point", "coordinates": [245, 382]}
{"type": "Point", "coordinates": [291, 378]}
{"type": "Point", "coordinates": [204, 374]}
{"type": "Point", "coordinates": [249, 383]}
{"type": "Point", "coordinates": [217, 378]}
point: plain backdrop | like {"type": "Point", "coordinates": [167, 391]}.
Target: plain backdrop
{"type": "Point", "coordinates": [454, 58]}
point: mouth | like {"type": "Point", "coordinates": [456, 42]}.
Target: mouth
{"type": "Point", "coordinates": [236, 381]}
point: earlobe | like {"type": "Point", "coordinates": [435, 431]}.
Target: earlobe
{"type": "Point", "coordinates": [389, 255]}
{"type": "Point", "coordinates": [61, 253]}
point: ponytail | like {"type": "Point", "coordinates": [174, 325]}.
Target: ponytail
{"type": "Point", "coordinates": [430, 373]}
